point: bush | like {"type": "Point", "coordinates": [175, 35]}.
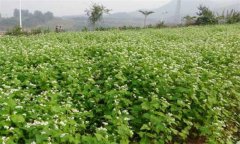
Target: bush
{"type": "Point", "coordinates": [85, 29]}
{"type": "Point", "coordinates": [129, 28]}
{"type": "Point", "coordinates": [46, 30]}
{"type": "Point", "coordinates": [16, 31]}
{"type": "Point", "coordinates": [36, 31]}
{"type": "Point", "coordinates": [160, 25]}
{"type": "Point", "coordinates": [103, 28]}
{"type": "Point", "coordinates": [39, 31]}
{"type": "Point", "coordinates": [232, 17]}
{"type": "Point", "coordinates": [205, 16]}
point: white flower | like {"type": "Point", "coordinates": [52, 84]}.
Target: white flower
{"type": "Point", "coordinates": [8, 118]}
{"type": "Point", "coordinates": [126, 119]}
{"type": "Point", "coordinates": [4, 138]}
{"type": "Point", "coordinates": [102, 129]}
{"type": "Point", "coordinates": [125, 111]}
{"type": "Point", "coordinates": [4, 104]}
{"type": "Point", "coordinates": [75, 110]}
{"type": "Point", "coordinates": [6, 127]}
{"type": "Point", "coordinates": [105, 123]}
{"type": "Point", "coordinates": [33, 142]}
{"type": "Point", "coordinates": [19, 107]}
{"type": "Point", "coordinates": [62, 135]}
{"type": "Point", "coordinates": [37, 123]}
{"type": "Point", "coordinates": [62, 123]}
{"type": "Point", "coordinates": [119, 112]}
{"type": "Point", "coordinates": [170, 114]}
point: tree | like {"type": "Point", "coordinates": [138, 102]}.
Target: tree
{"type": "Point", "coordinates": [205, 16]}
{"type": "Point", "coordinates": [25, 13]}
{"type": "Point", "coordinates": [95, 13]}
{"type": "Point", "coordinates": [48, 16]}
{"type": "Point", "coordinates": [146, 14]}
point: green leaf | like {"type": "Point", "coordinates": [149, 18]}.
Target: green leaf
{"type": "Point", "coordinates": [17, 119]}
{"type": "Point", "coordinates": [145, 127]}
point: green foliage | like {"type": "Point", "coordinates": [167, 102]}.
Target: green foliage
{"type": "Point", "coordinates": [16, 31]}
{"type": "Point", "coordinates": [46, 30]}
{"type": "Point", "coordinates": [129, 28]}
{"type": "Point", "coordinates": [36, 31]}
{"type": "Point", "coordinates": [85, 29]}
{"type": "Point", "coordinates": [232, 17]}
{"type": "Point", "coordinates": [160, 24]}
{"type": "Point", "coordinates": [148, 86]}
{"type": "Point", "coordinates": [103, 28]}
{"type": "Point", "coordinates": [39, 31]}
{"type": "Point", "coordinates": [205, 16]}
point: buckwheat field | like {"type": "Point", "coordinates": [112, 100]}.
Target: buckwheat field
{"type": "Point", "coordinates": [164, 86]}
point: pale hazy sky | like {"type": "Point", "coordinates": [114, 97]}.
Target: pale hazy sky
{"type": "Point", "coordinates": [76, 7]}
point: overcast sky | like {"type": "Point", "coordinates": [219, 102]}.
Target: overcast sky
{"type": "Point", "coordinates": [76, 7]}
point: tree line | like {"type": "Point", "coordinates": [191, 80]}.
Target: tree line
{"type": "Point", "coordinates": [95, 14]}
{"type": "Point", "coordinates": [205, 16]}
{"type": "Point", "coordinates": [29, 19]}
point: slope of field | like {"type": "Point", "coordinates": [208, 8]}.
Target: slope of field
{"type": "Point", "coordinates": [147, 86]}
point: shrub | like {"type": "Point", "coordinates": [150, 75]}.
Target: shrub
{"type": "Point", "coordinates": [232, 17]}
{"type": "Point", "coordinates": [85, 29]}
{"type": "Point", "coordinates": [36, 31]}
{"type": "Point", "coordinates": [16, 31]}
{"type": "Point", "coordinates": [160, 25]}
{"type": "Point", "coordinates": [45, 31]}
{"type": "Point", "coordinates": [205, 16]}
{"type": "Point", "coordinates": [40, 31]}
{"type": "Point", "coordinates": [129, 28]}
